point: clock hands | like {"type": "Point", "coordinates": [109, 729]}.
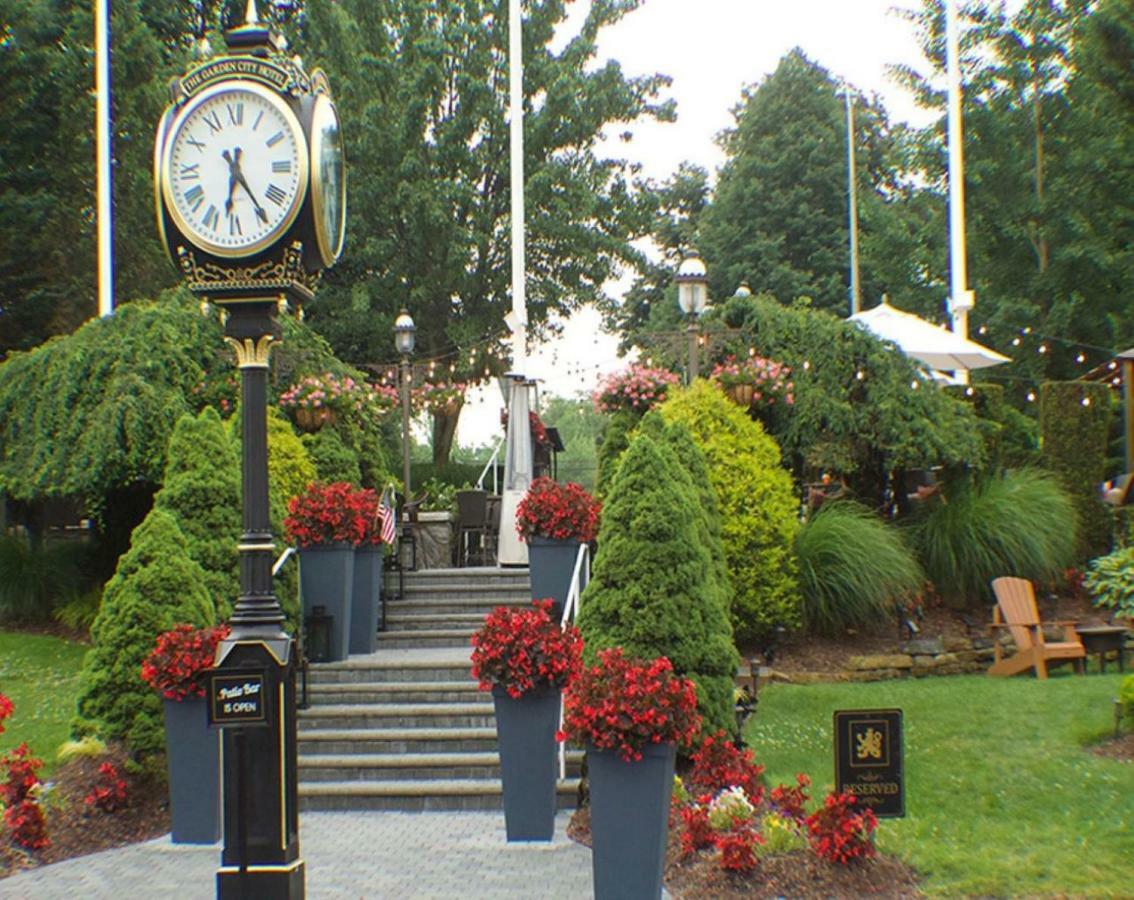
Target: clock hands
{"type": "Point", "coordinates": [235, 177]}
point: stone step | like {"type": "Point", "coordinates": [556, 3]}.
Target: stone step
{"type": "Point", "coordinates": [440, 637]}
{"type": "Point", "coordinates": [469, 574]}
{"type": "Point", "coordinates": [418, 621]}
{"type": "Point", "coordinates": [416, 795]}
{"type": "Point", "coordinates": [450, 605]}
{"type": "Point", "coordinates": [396, 740]}
{"type": "Point", "coordinates": [456, 666]}
{"type": "Point", "coordinates": [397, 715]}
{"type": "Point", "coordinates": [393, 692]}
{"type": "Point", "coordinates": [409, 766]}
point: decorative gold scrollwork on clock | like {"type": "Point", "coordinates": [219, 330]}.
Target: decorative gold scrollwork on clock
{"type": "Point", "coordinates": [270, 275]}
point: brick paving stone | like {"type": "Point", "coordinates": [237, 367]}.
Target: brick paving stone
{"type": "Point", "coordinates": [348, 855]}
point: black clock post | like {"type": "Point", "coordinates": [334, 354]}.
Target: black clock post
{"type": "Point", "coordinates": [252, 133]}
{"type": "Point", "coordinates": [252, 687]}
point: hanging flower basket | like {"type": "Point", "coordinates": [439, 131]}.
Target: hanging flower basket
{"type": "Point", "coordinates": [742, 394]}
{"type": "Point", "coordinates": [314, 419]}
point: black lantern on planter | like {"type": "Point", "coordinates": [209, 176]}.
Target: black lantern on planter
{"type": "Point", "coordinates": [317, 628]}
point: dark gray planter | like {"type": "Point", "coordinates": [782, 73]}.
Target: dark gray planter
{"type": "Point", "coordinates": [629, 821]}
{"type": "Point", "coordinates": [366, 598]}
{"type": "Point", "coordinates": [525, 731]}
{"type": "Point", "coordinates": [326, 576]}
{"type": "Point", "coordinates": [192, 753]}
{"type": "Point", "coordinates": [550, 566]}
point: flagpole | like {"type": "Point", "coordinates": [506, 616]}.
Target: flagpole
{"type": "Point", "coordinates": [960, 298]}
{"type": "Point", "coordinates": [516, 134]}
{"type": "Point", "coordinates": [102, 159]}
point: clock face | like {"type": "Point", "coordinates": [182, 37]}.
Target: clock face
{"type": "Point", "coordinates": [235, 169]}
{"type": "Point", "coordinates": [328, 183]}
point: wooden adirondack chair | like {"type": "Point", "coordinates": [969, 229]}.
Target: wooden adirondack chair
{"type": "Point", "coordinates": [1016, 610]}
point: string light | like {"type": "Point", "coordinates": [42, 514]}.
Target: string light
{"type": "Point", "coordinates": [1043, 348]}
{"type": "Point", "coordinates": [1086, 401]}
{"type": "Point", "coordinates": [1031, 396]}
{"type": "Point", "coordinates": [1015, 342]}
{"type": "Point", "coordinates": [914, 385]}
{"type": "Point", "coordinates": [1080, 359]}
{"type": "Point", "coordinates": [806, 365]}
{"type": "Point", "coordinates": [860, 375]}
{"type": "Point", "coordinates": [969, 391]}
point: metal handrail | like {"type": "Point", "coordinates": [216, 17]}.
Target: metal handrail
{"type": "Point", "coordinates": [301, 655]}
{"type": "Point", "coordinates": [288, 553]}
{"type": "Point", "coordinates": [491, 464]}
{"type": "Point", "coordinates": [580, 576]}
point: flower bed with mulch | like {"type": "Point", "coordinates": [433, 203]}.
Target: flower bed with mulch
{"type": "Point", "coordinates": [74, 828]}
{"type": "Point", "coordinates": [797, 874]}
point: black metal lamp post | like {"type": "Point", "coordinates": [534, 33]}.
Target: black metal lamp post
{"type": "Point", "coordinates": [692, 297]}
{"type": "Point", "coordinates": [404, 331]}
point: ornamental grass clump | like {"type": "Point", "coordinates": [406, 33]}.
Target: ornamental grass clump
{"type": "Point", "coordinates": [1020, 523]}
{"type": "Point", "coordinates": [564, 512]}
{"type": "Point", "coordinates": [179, 658]}
{"type": "Point", "coordinates": [625, 705]}
{"type": "Point", "coordinates": [853, 568]}
{"type": "Point", "coordinates": [523, 650]}
{"type": "Point", "coordinates": [637, 389]}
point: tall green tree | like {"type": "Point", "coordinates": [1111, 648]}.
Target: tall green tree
{"type": "Point", "coordinates": [48, 266]}
{"type": "Point", "coordinates": [422, 87]}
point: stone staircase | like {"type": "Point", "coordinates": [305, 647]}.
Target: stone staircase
{"type": "Point", "coordinates": [405, 728]}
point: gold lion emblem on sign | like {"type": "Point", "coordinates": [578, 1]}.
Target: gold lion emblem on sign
{"type": "Point", "coordinates": [869, 744]}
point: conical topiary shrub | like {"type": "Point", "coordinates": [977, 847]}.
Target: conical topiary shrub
{"type": "Point", "coordinates": [202, 492]}
{"type": "Point", "coordinates": [759, 509]}
{"type": "Point", "coordinates": [155, 587]}
{"type": "Point", "coordinates": [653, 591]}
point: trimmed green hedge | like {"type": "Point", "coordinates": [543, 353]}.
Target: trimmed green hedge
{"type": "Point", "coordinates": [759, 509]}
{"type": "Point", "coordinates": [156, 586]}
{"type": "Point", "coordinates": [1075, 428]}
{"type": "Point", "coordinates": [654, 591]}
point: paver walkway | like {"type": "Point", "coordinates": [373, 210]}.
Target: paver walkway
{"type": "Point", "coordinates": [356, 855]}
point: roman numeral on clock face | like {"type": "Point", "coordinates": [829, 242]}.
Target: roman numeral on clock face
{"type": "Point", "coordinates": [274, 194]}
{"type": "Point", "coordinates": [281, 166]}
{"type": "Point", "coordinates": [195, 196]}
{"type": "Point", "coordinates": [275, 139]}
{"type": "Point", "coordinates": [193, 142]}
{"type": "Point", "coordinates": [259, 116]}
{"type": "Point", "coordinates": [213, 121]}
{"type": "Point", "coordinates": [191, 171]}
{"type": "Point", "coordinates": [236, 113]}
{"type": "Point", "coordinates": [211, 218]}
{"type": "Point", "coordinates": [234, 225]}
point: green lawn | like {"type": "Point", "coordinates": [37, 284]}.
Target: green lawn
{"type": "Point", "coordinates": [1001, 797]}
{"type": "Point", "coordinates": [40, 675]}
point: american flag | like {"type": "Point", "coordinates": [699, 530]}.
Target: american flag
{"type": "Point", "coordinates": [386, 516]}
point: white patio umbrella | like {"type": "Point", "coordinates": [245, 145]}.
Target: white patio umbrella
{"type": "Point", "coordinates": [930, 344]}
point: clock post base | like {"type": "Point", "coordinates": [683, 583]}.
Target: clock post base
{"type": "Point", "coordinates": [277, 882]}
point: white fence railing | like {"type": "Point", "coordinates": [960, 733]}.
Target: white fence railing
{"type": "Point", "coordinates": [579, 578]}
{"type": "Point", "coordinates": [491, 465]}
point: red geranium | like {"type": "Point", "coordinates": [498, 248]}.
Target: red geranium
{"type": "Point", "coordinates": [557, 511]}
{"type": "Point", "coordinates": [331, 514]}
{"type": "Point", "coordinates": [625, 705]}
{"type": "Point", "coordinates": [179, 657]}
{"type": "Point", "coordinates": [840, 833]}
{"type": "Point", "coordinates": [109, 791]}
{"type": "Point", "coordinates": [6, 708]}
{"type": "Point", "coordinates": [523, 649]}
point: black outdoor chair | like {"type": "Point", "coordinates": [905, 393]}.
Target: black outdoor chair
{"type": "Point", "coordinates": [472, 526]}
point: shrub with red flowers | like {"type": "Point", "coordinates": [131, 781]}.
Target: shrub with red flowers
{"type": "Point", "coordinates": [558, 511]}
{"type": "Point", "coordinates": [841, 833]}
{"type": "Point", "coordinates": [23, 814]}
{"type": "Point", "coordinates": [180, 655]}
{"type": "Point", "coordinates": [638, 389]}
{"type": "Point", "coordinates": [790, 800]}
{"type": "Point", "coordinates": [109, 791]}
{"type": "Point", "coordinates": [626, 704]}
{"type": "Point", "coordinates": [330, 514]}
{"type": "Point", "coordinates": [737, 847]}
{"type": "Point", "coordinates": [6, 709]}
{"type": "Point", "coordinates": [719, 765]}
{"type": "Point", "coordinates": [525, 649]}
{"type": "Point", "coordinates": [697, 833]}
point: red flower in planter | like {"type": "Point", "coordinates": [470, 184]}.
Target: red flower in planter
{"type": "Point", "coordinates": [332, 514]}
{"type": "Point", "coordinates": [523, 649]}
{"type": "Point", "coordinates": [557, 511]}
{"type": "Point", "coordinates": [625, 705]}
{"type": "Point", "coordinates": [179, 657]}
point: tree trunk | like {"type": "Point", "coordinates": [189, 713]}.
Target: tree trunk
{"type": "Point", "coordinates": [445, 432]}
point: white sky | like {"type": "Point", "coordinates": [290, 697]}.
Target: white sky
{"type": "Point", "coordinates": [711, 49]}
